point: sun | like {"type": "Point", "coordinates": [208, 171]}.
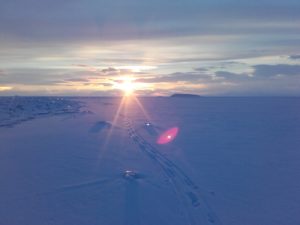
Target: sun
{"type": "Point", "coordinates": [128, 87]}
{"type": "Point", "coordinates": [126, 84]}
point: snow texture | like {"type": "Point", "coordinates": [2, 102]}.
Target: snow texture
{"type": "Point", "coordinates": [89, 161]}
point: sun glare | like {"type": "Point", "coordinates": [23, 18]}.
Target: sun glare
{"type": "Point", "coordinates": [127, 85]}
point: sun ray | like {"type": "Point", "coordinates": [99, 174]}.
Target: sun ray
{"type": "Point", "coordinates": [114, 122]}
{"type": "Point", "coordinates": [146, 115]}
{"type": "Point", "coordinates": [128, 86]}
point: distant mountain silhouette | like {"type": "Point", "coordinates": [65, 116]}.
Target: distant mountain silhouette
{"type": "Point", "coordinates": [181, 95]}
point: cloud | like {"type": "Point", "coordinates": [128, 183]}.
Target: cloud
{"type": "Point", "coordinates": [106, 84]}
{"type": "Point", "coordinates": [221, 79]}
{"type": "Point", "coordinates": [105, 72]}
{"type": "Point", "coordinates": [201, 69]}
{"type": "Point", "coordinates": [55, 43]}
{"type": "Point", "coordinates": [232, 76]}
{"type": "Point", "coordinates": [82, 65]}
{"type": "Point", "coordinates": [111, 20]}
{"type": "Point", "coordinates": [261, 71]}
{"type": "Point", "coordinates": [31, 77]}
{"type": "Point", "coordinates": [51, 77]}
{"type": "Point", "coordinates": [261, 79]}
{"type": "Point", "coordinates": [109, 70]}
{"type": "Point", "coordinates": [294, 57]}
{"type": "Point", "coordinates": [276, 70]}
{"type": "Point", "coordinates": [188, 77]}
{"type": "Point", "coordinates": [264, 80]}
{"type": "Point", "coordinates": [63, 77]}
{"type": "Point", "coordinates": [77, 80]}
{"type": "Point", "coordinates": [5, 88]}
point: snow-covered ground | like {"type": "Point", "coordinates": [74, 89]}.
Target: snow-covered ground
{"type": "Point", "coordinates": [14, 110]}
{"type": "Point", "coordinates": [95, 161]}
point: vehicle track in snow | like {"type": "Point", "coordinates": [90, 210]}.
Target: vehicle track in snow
{"type": "Point", "coordinates": [196, 209]}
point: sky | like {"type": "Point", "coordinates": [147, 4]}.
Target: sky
{"type": "Point", "coordinates": [208, 47]}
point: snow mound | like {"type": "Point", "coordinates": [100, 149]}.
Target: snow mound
{"type": "Point", "coordinates": [99, 126]}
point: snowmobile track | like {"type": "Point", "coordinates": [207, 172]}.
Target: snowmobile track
{"type": "Point", "coordinates": [194, 205]}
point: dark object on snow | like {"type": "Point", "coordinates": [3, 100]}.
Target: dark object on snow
{"type": "Point", "coordinates": [132, 175]}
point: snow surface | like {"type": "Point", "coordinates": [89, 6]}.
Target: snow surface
{"type": "Point", "coordinates": [235, 161]}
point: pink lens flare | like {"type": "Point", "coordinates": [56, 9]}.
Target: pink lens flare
{"type": "Point", "coordinates": [168, 136]}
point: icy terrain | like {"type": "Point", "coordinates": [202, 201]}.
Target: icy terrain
{"type": "Point", "coordinates": [14, 110]}
{"type": "Point", "coordinates": [235, 161]}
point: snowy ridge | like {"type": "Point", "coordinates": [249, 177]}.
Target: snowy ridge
{"type": "Point", "coordinates": [14, 110]}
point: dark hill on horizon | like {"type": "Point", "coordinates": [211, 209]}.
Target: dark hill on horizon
{"type": "Point", "coordinates": [181, 95]}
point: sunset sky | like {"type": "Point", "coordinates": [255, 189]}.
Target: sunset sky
{"type": "Point", "coordinates": [208, 47]}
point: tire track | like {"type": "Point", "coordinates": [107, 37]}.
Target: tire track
{"type": "Point", "coordinates": [196, 208]}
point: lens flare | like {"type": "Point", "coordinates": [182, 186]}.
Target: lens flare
{"type": "Point", "coordinates": [168, 136]}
